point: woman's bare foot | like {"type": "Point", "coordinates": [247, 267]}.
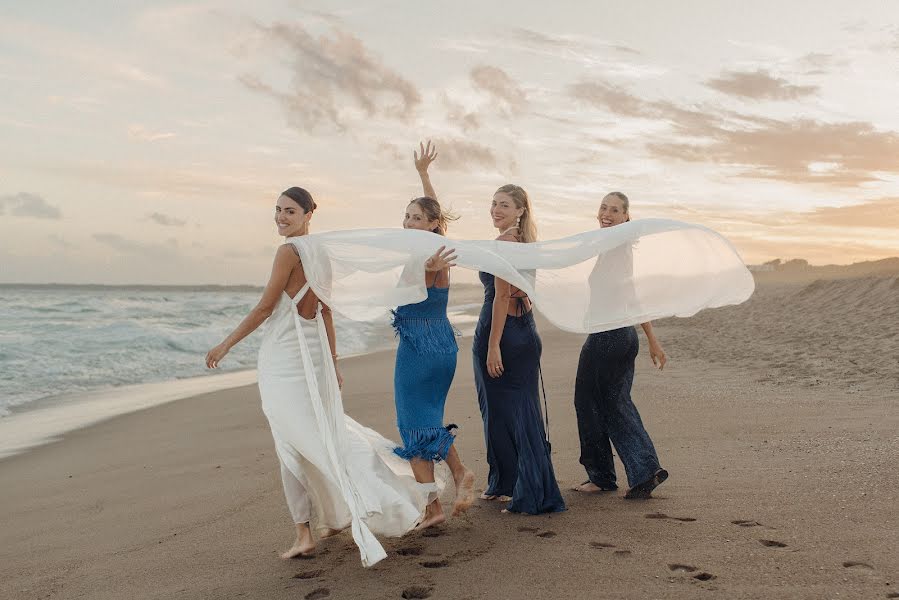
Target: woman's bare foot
{"type": "Point", "coordinates": [329, 533]}
{"type": "Point", "coordinates": [300, 548]}
{"type": "Point", "coordinates": [304, 544]}
{"type": "Point", "coordinates": [503, 498]}
{"type": "Point", "coordinates": [588, 487]}
{"type": "Point", "coordinates": [464, 493]}
{"type": "Point", "coordinates": [434, 515]}
{"type": "Point", "coordinates": [486, 496]}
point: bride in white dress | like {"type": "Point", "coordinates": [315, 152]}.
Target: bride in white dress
{"type": "Point", "coordinates": [336, 473]}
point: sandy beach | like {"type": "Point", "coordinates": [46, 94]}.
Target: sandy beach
{"type": "Point", "coordinates": [777, 420]}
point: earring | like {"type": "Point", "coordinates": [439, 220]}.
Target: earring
{"type": "Point", "coordinates": [517, 221]}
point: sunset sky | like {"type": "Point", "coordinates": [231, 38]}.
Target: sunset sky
{"type": "Point", "coordinates": [146, 142]}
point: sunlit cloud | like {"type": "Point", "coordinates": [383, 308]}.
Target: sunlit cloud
{"type": "Point", "coordinates": [801, 151]}
{"type": "Point", "coordinates": [876, 214]}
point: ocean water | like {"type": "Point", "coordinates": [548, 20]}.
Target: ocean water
{"type": "Point", "coordinates": [64, 341]}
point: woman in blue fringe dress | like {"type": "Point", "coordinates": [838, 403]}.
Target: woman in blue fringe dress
{"type": "Point", "coordinates": [426, 361]}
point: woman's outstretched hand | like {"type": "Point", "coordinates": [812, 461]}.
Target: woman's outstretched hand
{"type": "Point", "coordinates": [425, 158]}
{"type": "Point", "coordinates": [442, 259]}
{"type": "Point", "coordinates": [214, 356]}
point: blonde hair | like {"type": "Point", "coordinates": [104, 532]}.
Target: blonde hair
{"type": "Point", "coordinates": [527, 227]}
{"type": "Point", "coordinates": [624, 202]}
{"type": "Point", "coordinates": [433, 211]}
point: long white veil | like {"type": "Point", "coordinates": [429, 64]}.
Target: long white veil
{"type": "Point", "coordinates": [594, 281]}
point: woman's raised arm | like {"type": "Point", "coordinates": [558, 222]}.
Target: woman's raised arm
{"type": "Point", "coordinates": [422, 162]}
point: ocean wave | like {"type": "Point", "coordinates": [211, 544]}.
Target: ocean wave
{"type": "Point", "coordinates": [64, 341]}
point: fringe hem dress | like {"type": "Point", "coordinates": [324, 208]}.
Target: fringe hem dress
{"type": "Point", "coordinates": [425, 366]}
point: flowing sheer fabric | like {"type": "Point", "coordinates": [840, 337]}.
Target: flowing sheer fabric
{"type": "Point", "coordinates": [594, 281]}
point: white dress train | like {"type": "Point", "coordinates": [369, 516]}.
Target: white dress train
{"type": "Point", "coordinates": [336, 473]}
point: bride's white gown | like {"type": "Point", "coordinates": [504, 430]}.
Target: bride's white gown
{"type": "Point", "coordinates": [336, 472]}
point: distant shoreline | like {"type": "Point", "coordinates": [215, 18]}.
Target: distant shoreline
{"type": "Point", "coordinates": [133, 286]}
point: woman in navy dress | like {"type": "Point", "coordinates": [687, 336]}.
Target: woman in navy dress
{"type": "Point", "coordinates": [506, 354]}
{"type": "Point", "coordinates": [426, 361]}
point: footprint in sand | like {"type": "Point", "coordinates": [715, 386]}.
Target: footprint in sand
{"type": "Point", "coordinates": [434, 564]}
{"type": "Point", "coordinates": [745, 523]}
{"type": "Point", "coordinates": [417, 591]}
{"type": "Point", "coordinates": [772, 544]}
{"type": "Point", "coordinates": [622, 553]}
{"type": "Point", "coordinates": [410, 551]}
{"type": "Point", "coordinates": [547, 534]}
{"type": "Point", "coordinates": [529, 529]}
{"type": "Point", "coordinates": [682, 568]}
{"type": "Point", "coordinates": [601, 545]}
{"type": "Point", "coordinates": [704, 576]}
{"type": "Point", "coordinates": [659, 515]}
{"type": "Point", "coordinates": [309, 574]}
{"type": "Point", "coordinates": [316, 594]}
{"type": "Point", "coordinates": [432, 533]}
{"type": "Point", "coordinates": [893, 595]}
{"type": "Point", "coordinates": [854, 564]}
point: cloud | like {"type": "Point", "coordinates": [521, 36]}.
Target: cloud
{"type": "Point", "coordinates": [165, 220]}
{"type": "Point", "coordinates": [455, 154]}
{"type": "Point", "coordinates": [759, 85]}
{"type": "Point", "coordinates": [25, 204]}
{"type": "Point", "coordinates": [612, 98]}
{"type": "Point", "coordinates": [500, 86]}
{"type": "Point", "coordinates": [334, 77]}
{"type": "Point", "coordinates": [800, 151]}
{"type": "Point", "coordinates": [458, 115]}
{"type": "Point", "coordinates": [142, 134]}
{"type": "Point", "coordinates": [803, 151]}
{"type": "Point", "coordinates": [877, 214]}
{"type": "Point", "coordinates": [584, 51]}
{"type": "Point", "coordinates": [571, 44]}
{"type": "Point", "coordinates": [460, 155]}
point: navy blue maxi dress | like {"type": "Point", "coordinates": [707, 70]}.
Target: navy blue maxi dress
{"type": "Point", "coordinates": [518, 454]}
{"type": "Point", "coordinates": [425, 366]}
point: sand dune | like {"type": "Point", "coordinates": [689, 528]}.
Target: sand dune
{"type": "Point", "coordinates": [837, 333]}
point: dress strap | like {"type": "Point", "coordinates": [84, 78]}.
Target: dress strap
{"type": "Point", "coordinates": [301, 294]}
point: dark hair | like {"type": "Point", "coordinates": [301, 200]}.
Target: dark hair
{"type": "Point", "coordinates": [432, 210]}
{"type": "Point", "coordinates": [301, 197]}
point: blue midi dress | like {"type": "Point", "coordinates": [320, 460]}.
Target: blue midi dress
{"type": "Point", "coordinates": [518, 453]}
{"type": "Point", "coordinates": [425, 366]}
